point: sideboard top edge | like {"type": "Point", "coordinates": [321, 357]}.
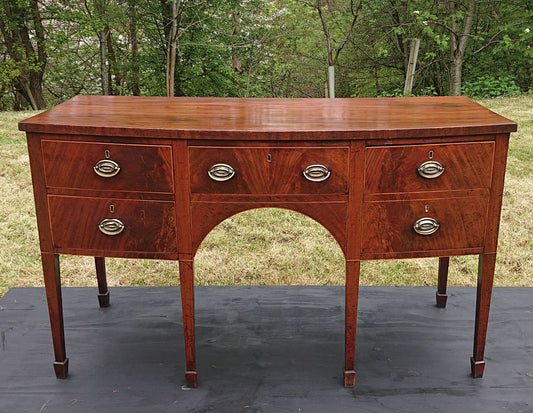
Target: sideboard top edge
{"type": "Point", "coordinates": [269, 118]}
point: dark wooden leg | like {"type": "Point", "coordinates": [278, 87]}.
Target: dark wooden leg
{"type": "Point", "coordinates": [484, 292]}
{"type": "Point", "coordinates": [103, 292]}
{"type": "Point", "coordinates": [52, 282]}
{"type": "Point", "coordinates": [441, 295]}
{"type": "Point", "coordinates": [187, 305]}
{"type": "Point", "coordinates": [352, 296]}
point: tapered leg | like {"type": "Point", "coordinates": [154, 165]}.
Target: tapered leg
{"type": "Point", "coordinates": [52, 282]}
{"type": "Point", "coordinates": [352, 296]}
{"type": "Point", "coordinates": [484, 292]}
{"type": "Point", "coordinates": [441, 295]}
{"type": "Point", "coordinates": [103, 291]}
{"type": "Point", "coordinates": [187, 305]}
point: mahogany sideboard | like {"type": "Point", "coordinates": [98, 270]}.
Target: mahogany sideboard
{"type": "Point", "coordinates": [149, 177]}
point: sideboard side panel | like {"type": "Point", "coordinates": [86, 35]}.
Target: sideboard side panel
{"type": "Point", "coordinates": [496, 194]}
{"type": "Point", "coordinates": [39, 191]}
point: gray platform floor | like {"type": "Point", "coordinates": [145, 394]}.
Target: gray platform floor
{"type": "Point", "coordinates": [266, 349]}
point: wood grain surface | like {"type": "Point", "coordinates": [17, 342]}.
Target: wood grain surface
{"type": "Point", "coordinates": [393, 169]}
{"type": "Point", "coordinates": [143, 168]}
{"type": "Point", "coordinates": [269, 170]}
{"type": "Point", "coordinates": [149, 225]}
{"type": "Point", "coordinates": [269, 118]}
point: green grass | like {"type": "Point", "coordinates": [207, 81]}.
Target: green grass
{"type": "Point", "coordinates": [19, 259]}
{"type": "Point", "coordinates": [267, 246]}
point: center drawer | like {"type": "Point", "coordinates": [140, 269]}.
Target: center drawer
{"type": "Point", "coordinates": [264, 170]}
{"type": "Point", "coordinates": [108, 224]}
{"type": "Point", "coordinates": [107, 166]}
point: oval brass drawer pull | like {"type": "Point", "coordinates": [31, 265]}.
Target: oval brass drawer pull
{"type": "Point", "coordinates": [106, 168]}
{"type": "Point", "coordinates": [430, 169]}
{"type": "Point", "coordinates": [221, 172]}
{"type": "Point", "coordinates": [111, 226]}
{"type": "Point", "coordinates": [426, 226]}
{"type": "Point", "coordinates": [316, 173]}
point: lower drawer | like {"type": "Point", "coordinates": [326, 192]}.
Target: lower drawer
{"type": "Point", "coordinates": [396, 227]}
{"type": "Point", "coordinates": [107, 224]}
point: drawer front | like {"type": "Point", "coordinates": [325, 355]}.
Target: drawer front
{"type": "Point", "coordinates": [263, 170]}
{"type": "Point", "coordinates": [143, 168]}
{"type": "Point", "coordinates": [415, 168]}
{"type": "Point", "coordinates": [458, 223]}
{"type": "Point", "coordinates": [78, 223]}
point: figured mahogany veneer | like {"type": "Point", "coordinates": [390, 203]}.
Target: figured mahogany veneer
{"type": "Point", "coordinates": [393, 169]}
{"type": "Point", "coordinates": [388, 227]}
{"type": "Point", "coordinates": [269, 170]}
{"type": "Point", "coordinates": [147, 177]}
{"type": "Point", "coordinates": [143, 168]}
{"type": "Point", "coordinates": [149, 226]}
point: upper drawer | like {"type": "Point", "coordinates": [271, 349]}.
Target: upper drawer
{"type": "Point", "coordinates": [263, 170]}
{"type": "Point", "coordinates": [419, 168]}
{"type": "Point", "coordinates": [84, 165]}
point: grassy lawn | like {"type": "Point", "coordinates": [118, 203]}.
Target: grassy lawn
{"type": "Point", "coordinates": [267, 246]}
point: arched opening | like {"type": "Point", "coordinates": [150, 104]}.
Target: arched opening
{"type": "Point", "coordinates": [269, 246]}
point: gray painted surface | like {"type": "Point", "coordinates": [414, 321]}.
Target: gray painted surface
{"type": "Point", "coordinates": [266, 349]}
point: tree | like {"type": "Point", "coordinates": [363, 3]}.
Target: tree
{"type": "Point", "coordinates": [24, 40]}
{"type": "Point", "coordinates": [172, 40]}
{"type": "Point", "coordinates": [103, 36]}
{"type": "Point", "coordinates": [331, 18]}
{"type": "Point", "coordinates": [380, 47]}
{"type": "Point", "coordinates": [179, 18]}
{"type": "Point", "coordinates": [501, 52]}
{"type": "Point", "coordinates": [461, 16]}
{"type": "Point", "coordinates": [133, 67]}
{"type": "Point", "coordinates": [471, 30]}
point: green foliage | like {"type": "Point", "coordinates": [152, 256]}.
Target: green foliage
{"type": "Point", "coordinates": [488, 86]}
{"type": "Point", "coordinates": [279, 48]}
{"type": "Point", "coordinates": [428, 91]}
{"type": "Point", "coordinates": [8, 72]}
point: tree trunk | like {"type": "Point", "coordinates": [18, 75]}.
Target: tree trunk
{"type": "Point", "coordinates": [332, 51]}
{"type": "Point", "coordinates": [113, 67]}
{"type": "Point", "coordinates": [36, 76]}
{"type": "Point", "coordinates": [171, 48]}
{"type": "Point", "coordinates": [459, 37]}
{"type": "Point", "coordinates": [456, 70]}
{"type": "Point", "coordinates": [103, 65]}
{"type": "Point", "coordinates": [134, 44]}
{"type": "Point", "coordinates": [36, 90]}
{"type": "Point", "coordinates": [398, 19]}
{"type": "Point", "coordinates": [102, 39]}
{"type": "Point", "coordinates": [331, 5]}
{"type": "Point", "coordinates": [235, 61]}
{"type": "Point", "coordinates": [410, 76]}
{"type": "Point", "coordinates": [17, 21]}
{"type": "Point", "coordinates": [331, 81]}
